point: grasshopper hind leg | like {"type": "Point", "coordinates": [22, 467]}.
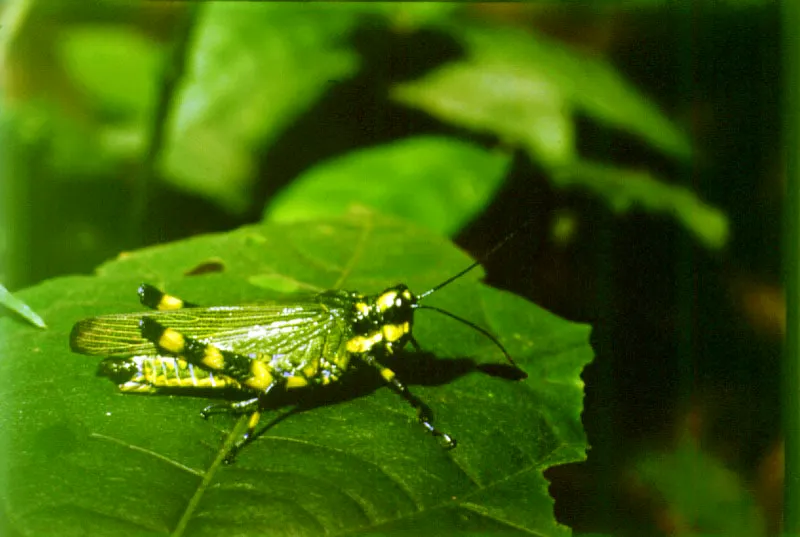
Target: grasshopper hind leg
{"type": "Point", "coordinates": [248, 406]}
{"type": "Point", "coordinates": [156, 299]}
{"type": "Point", "coordinates": [254, 377]}
{"type": "Point", "coordinates": [236, 408]}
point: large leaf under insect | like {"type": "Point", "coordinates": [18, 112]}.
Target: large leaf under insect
{"type": "Point", "coordinates": [82, 459]}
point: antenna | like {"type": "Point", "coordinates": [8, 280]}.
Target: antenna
{"type": "Point", "coordinates": [450, 280]}
{"type": "Point", "coordinates": [476, 327]}
{"type": "Point", "coordinates": [483, 258]}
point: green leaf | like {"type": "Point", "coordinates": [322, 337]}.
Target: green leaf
{"type": "Point", "coordinates": [115, 67]}
{"type": "Point", "coordinates": [14, 304]}
{"type": "Point", "coordinates": [523, 108]}
{"type": "Point", "coordinates": [525, 90]}
{"type": "Point", "coordinates": [513, 74]}
{"type": "Point", "coordinates": [697, 490]}
{"type": "Point", "coordinates": [40, 137]}
{"type": "Point", "coordinates": [116, 70]}
{"type": "Point", "coordinates": [406, 16]}
{"type": "Point", "coordinates": [625, 189]}
{"type": "Point", "coordinates": [253, 68]}
{"type": "Point", "coordinates": [86, 459]}
{"type": "Point", "coordinates": [438, 182]}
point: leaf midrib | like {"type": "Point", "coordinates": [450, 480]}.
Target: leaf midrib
{"type": "Point", "coordinates": [209, 474]}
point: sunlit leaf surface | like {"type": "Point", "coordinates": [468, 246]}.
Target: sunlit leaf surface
{"type": "Point", "coordinates": [439, 182]}
{"type": "Point", "coordinates": [85, 459]}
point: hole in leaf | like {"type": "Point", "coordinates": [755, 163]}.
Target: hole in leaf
{"type": "Point", "coordinates": [206, 267]}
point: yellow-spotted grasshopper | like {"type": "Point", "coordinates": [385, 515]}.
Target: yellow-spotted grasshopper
{"type": "Point", "coordinates": [258, 350]}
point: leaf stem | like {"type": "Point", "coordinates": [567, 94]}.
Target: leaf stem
{"type": "Point", "coordinates": [209, 474]}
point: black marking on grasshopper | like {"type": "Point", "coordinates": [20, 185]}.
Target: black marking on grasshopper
{"type": "Point", "coordinates": [258, 350]}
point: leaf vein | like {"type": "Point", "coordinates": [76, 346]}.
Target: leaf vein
{"type": "Point", "coordinates": [366, 229]}
{"type": "Point", "coordinates": [341, 452]}
{"type": "Point", "coordinates": [148, 452]}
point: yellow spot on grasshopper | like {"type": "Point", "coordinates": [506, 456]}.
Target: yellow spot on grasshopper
{"type": "Point", "coordinates": [253, 421]}
{"type": "Point", "coordinates": [296, 382]}
{"type": "Point", "coordinates": [362, 344]}
{"type": "Point", "coordinates": [213, 358]}
{"type": "Point", "coordinates": [386, 300]}
{"type": "Point", "coordinates": [169, 302]}
{"type": "Point", "coordinates": [387, 374]}
{"type": "Point", "coordinates": [172, 341]}
{"type": "Point", "coordinates": [262, 376]}
{"type": "Point", "coordinates": [393, 332]}
{"type": "Point", "coordinates": [362, 308]}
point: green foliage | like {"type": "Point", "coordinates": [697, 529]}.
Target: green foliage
{"type": "Point", "coordinates": [14, 304]}
{"type": "Point", "coordinates": [405, 16]}
{"type": "Point", "coordinates": [697, 490]}
{"type": "Point", "coordinates": [118, 72]}
{"type": "Point", "coordinates": [625, 189]}
{"type": "Point", "coordinates": [104, 90]}
{"type": "Point", "coordinates": [526, 109]}
{"type": "Point", "coordinates": [252, 69]}
{"type": "Point", "coordinates": [440, 182]}
{"type": "Point", "coordinates": [115, 67]}
{"type": "Point", "coordinates": [525, 76]}
{"type": "Point", "coordinates": [85, 459]}
{"type": "Point", "coordinates": [526, 91]}
{"type": "Point", "coordinates": [39, 137]}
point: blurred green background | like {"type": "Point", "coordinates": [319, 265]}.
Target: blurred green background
{"type": "Point", "coordinates": [640, 138]}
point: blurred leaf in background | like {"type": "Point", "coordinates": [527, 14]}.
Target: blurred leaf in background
{"type": "Point", "coordinates": [441, 183]}
{"type": "Point", "coordinates": [626, 189]}
{"type": "Point", "coordinates": [527, 90]}
{"type": "Point", "coordinates": [117, 70]}
{"type": "Point", "coordinates": [510, 78]}
{"type": "Point", "coordinates": [251, 69]}
{"type": "Point", "coordinates": [140, 104]}
{"type": "Point", "coordinates": [696, 494]}
{"type": "Point", "coordinates": [79, 94]}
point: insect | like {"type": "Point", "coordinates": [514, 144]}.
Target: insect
{"type": "Point", "coordinates": [259, 350]}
